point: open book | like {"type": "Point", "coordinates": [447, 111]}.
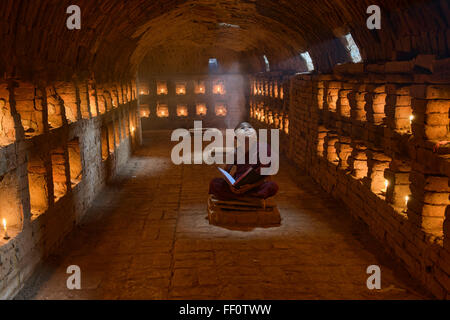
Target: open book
{"type": "Point", "coordinates": [248, 177]}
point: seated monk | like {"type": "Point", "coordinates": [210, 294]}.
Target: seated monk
{"type": "Point", "coordinates": [262, 189]}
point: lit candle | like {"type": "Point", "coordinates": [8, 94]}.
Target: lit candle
{"type": "Point", "coordinates": [406, 200]}
{"type": "Point", "coordinates": [386, 184]}
{"type": "Point", "coordinates": [6, 236]}
{"type": "Point", "coordinates": [411, 118]}
{"type": "Point", "coordinates": [133, 129]}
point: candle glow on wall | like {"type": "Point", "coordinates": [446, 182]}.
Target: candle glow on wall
{"type": "Point", "coordinates": [182, 110]}
{"type": "Point", "coordinates": [201, 109]}
{"type": "Point", "coordinates": [144, 111]}
{"type": "Point", "coordinates": [270, 117]}
{"type": "Point", "coordinates": [161, 88]}
{"type": "Point", "coordinates": [144, 88]}
{"type": "Point", "coordinates": [200, 87]}
{"type": "Point", "coordinates": [218, 87]}
{"type": "Point", "coordinates": [286, 125]}
{"type": "Point", "coordinates": [221, 110]}
{"type": "Point", "coordinates": [162, 111]}
{"type": "Point", "coordinates": [180, 88]}
{"type": "Point", "coordinates": [5, 229]}
{"type": "Point", "coordinates": [386, 185]}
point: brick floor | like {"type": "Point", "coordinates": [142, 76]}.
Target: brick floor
{"type": "Point", "coordinates": [147, 237]}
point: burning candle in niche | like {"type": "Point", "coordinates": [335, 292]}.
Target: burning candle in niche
{"type": "Point", "coordinates": [221, 110]}
{"type": "Point", "coordinates": [386, 185]}
{"type": "Point", "coordinates": [406, 204]}
{"type": "Point", "coordinates": [182, 111]}
{"type": "Point", "coordinates": [162, 88]}
{"type": "Point", "coordinates": [200, 87]}
{"type": "Point", "coordinates": [270, 118]}
{"type": "Point", "coordinates": [181, 89]}
{"type": "Point", "coordinates": [286, 125]}
{"type": "Point", "coordinates": [162, 111]}
{"type": "Point", "coordinates": [5, 236]}
{"type": "Point", "coordinates": [219, 88]}
{"type": "Point", "coordinates": [133, 129]}
{"type": "Point", "coordinates": [201, 109]}
{"type": "Point", "coordinates": [411, 119]}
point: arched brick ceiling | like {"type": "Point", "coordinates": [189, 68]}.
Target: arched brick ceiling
{"type": "Point", "coordinates": [117, 35]}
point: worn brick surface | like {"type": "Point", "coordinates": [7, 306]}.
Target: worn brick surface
{"type": "Point", "coordinates": [147, 237]}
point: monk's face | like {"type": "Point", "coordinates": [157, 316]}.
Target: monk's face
{"type": "Point", "coordinates": [248, 135]}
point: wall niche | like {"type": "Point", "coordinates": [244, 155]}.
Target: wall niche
{"type": "Point", "coordinates": [76, 168]}
{"type": "Point", "coordinates": [38, 184]}
{"type": "Point", "coordinates": [7, 130]}
{"type": "Point", "coordinates": [59, 173]}
{"type": "Point", "coordinates": [10, 205]}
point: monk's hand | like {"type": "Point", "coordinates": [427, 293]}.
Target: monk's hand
{"type": "Point", "coordinates": [246, 187]}
{"type": "Point", "coordinates": [242, 189]}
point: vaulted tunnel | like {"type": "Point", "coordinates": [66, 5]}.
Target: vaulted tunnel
{"type": "Point", "coordinates": [86, 175]}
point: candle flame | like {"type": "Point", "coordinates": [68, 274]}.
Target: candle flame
{"type": "Point", "coordinates": [386, 184]}
{"type": "Point", "coordinates": [4, 223]}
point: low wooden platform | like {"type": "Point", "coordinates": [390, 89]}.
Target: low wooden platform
{"type": "Point", "coordinates": [243, 212]}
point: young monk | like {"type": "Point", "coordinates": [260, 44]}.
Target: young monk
{"type": "Point", "coordinates": [262, 189]}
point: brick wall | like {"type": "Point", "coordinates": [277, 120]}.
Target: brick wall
{"type": "Point", "coordinates": [198, 90]}
{"type": "Point", "coordinates": [53, 163]}
{"type": "Point", "coordinates": [377, 138]}
{"type": "Point", "coordinates": [269, 104]}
